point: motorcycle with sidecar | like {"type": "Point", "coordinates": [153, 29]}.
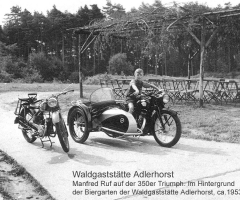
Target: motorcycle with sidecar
{"type": "Point", "coordinates": [104, 113]}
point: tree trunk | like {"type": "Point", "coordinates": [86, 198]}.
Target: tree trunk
{"type": "Point", "coordinates": [229, 57]}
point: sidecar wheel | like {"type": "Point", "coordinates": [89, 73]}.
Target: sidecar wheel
{"type": "Point", "coordinates": [27, 134]}
{"type": "Point", "coordinates": [78, 126]}
{"type": "Point", "coordinates": [170, 135]}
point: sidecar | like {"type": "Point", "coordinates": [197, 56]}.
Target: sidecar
{"type": "Point", "coordinates": [101, 113]}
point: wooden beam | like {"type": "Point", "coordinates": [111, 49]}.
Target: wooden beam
{"type": "Point", "coordinates": [221, 11]}
{"type": "Point", "coordinates": [231, 15]}
{"type": "Point", "coordinates": [86, 41]}
{"type": "Point", "coordinates": [80, 67]}
{"type": "Point", "coordinates": [89, 44]}
{"type": "Point", "coordinates": [211, 37]}
{"type": "Point", "coordinates": [174, 22]}
{"type": "Point", "coordinates": [202, 59]}
{"type": "Point", "coordinates": [191, 33]}
{"type": "Point", "coordinates": [190, 57]}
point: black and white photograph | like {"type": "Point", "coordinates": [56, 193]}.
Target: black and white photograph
{"type": "Point", "coordinates": [120, 100]}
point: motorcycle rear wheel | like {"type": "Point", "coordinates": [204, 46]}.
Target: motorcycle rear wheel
{"type": "Point", "coordinates": [27, 133]}
{"type": "Point", "coordinates": [62, 133]}
{"type": "Point", "coordinates": [78, 126]}
{"type": "Point", "coordinates": [170, 135]}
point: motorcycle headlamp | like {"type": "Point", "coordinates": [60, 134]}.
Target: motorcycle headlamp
{"type": "Point", "coordinates": [166, 98]}
{"type": "Point", "coordinates": [52, 102]}
{"type": "Point", "coordinates": [144, 103]}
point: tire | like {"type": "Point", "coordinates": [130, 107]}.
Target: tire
{"type": "Point", "coordinates": [78, 126]}
{"type": "Point", "coordinates": [27, 133]}
{"type": "Point", "coordinates": [62, 133]}
{"type": "Point", "coordinates": [172, 131]}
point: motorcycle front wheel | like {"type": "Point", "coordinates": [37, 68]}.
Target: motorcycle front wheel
{"type": "Point", "coordinates": [78, 126]}
{"type": "Point", "coordinates": [167, 133]}
{"type": "Point", "coordinates": [27, 132]}
{"type": "Point", "coordinates": [62, 133]}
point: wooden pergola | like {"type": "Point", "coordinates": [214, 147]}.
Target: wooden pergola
{"type": "Point", "coordinates": [159, 21]}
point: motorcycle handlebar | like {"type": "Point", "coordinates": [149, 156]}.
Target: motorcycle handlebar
{"type": "Point", "coordinates": [65, 92]}
{"type": "Point", "coordinates": [138, 96]}
{"type": "Point", "coordinates": [57, 95]}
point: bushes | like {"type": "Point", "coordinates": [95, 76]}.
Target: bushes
{"type": "Point", "coordinates": [40, 63]}
{"type": "Point", "coordinates": [118, 64]}
{"type": "Point", "coordinates": [48, 68]}
{"type": "Point", "coordinates": [32, 75]}
{"type": "Point", "coordinates": [5, 77]}
{"type": "Point", "coordinates": [16, 69]}
{"type": "Point", "coordinates": [7, 67]}
{"type": "Point", "coordinates": [38, 69]}
{"type": "Point", "coordinates": [74, 77]}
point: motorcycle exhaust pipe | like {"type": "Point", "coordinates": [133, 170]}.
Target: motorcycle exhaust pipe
{"type": "Point", "coordinates": [119, 132]}
{"type": "Point", "coordinates": [144, 123]}
{"type": "Point", "coordinates": [27, 124]}
{"type": "Point", "coordinates": [24, 125]}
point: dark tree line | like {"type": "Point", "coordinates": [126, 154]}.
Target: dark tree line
{"type": "Point", "coordinates": [44, 47]}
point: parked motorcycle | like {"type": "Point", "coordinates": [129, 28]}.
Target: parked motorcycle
{"type": "Point", "coordinates": [42, 119]}
{"type": "Point", "coordinates": [104, 113]}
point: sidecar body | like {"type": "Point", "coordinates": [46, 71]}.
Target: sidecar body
{"type": "Point", "coordinates": [104, 113]}
{"type": "Point", "coordinates": [117, 121]}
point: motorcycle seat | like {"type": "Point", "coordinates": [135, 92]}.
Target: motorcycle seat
{"type": "Point", "coordinates": [28, 100]}
{"type": "Point", "coordinates": [24, 99]}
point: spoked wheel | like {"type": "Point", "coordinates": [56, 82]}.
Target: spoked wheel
{"type": "Point", "coordinates": [78, 126]}
{"type": "Point", "coordinates": [167, 133]}
{"type": "Point", "coordinates": [27, 132]}
{"type": "Point", "coordinates": [62, 133]}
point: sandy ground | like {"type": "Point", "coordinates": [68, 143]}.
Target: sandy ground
{"type": "Point", "coordinates": [18, 185]}
{"type": "Point", "coordinates": [15, 184]}
{"type": "Point", "coordinates": [188, 163]}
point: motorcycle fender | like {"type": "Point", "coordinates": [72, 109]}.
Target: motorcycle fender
{"type": "Point", "coordinates": [154, 113]}
{"type": "Point", "coordinates": [55, 117]}
{"type": "Point", "coordinates": [85, 109]}
{"type": "Point", "coordinates": [174, 112]}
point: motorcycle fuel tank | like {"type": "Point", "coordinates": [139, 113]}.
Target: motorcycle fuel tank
{"type": "Point", "coordinates": [119, 121]}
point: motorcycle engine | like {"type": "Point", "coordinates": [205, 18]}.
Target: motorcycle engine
{"type": "Point", "coordinates": [140, 121]}
{"type": "Point", "coordinates": [142, 106]}
{"type": "Point", "coordinates": [38, 119]}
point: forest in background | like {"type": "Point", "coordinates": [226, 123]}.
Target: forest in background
{"type": "Point", "coordinates": [39, 48]}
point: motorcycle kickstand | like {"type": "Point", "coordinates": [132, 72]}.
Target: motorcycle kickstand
{"type": "Point", "coordinates": [42, 141]}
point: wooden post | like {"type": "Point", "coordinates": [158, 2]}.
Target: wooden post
{"type": "Point", "coordinates": [189, 65]}
{"type": "Point", "coordinates": [94, 61]}
{"type": "Point", "coordinates": [79, 66]}
{"type": "Point", "coordinates": [202, 59]}
{"type": "Point", "coordinates": [63, 49]}
{"type": "Point", "coordinates": [156, 63]}
{"type": "Point", "coordinates": [165, 63]}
